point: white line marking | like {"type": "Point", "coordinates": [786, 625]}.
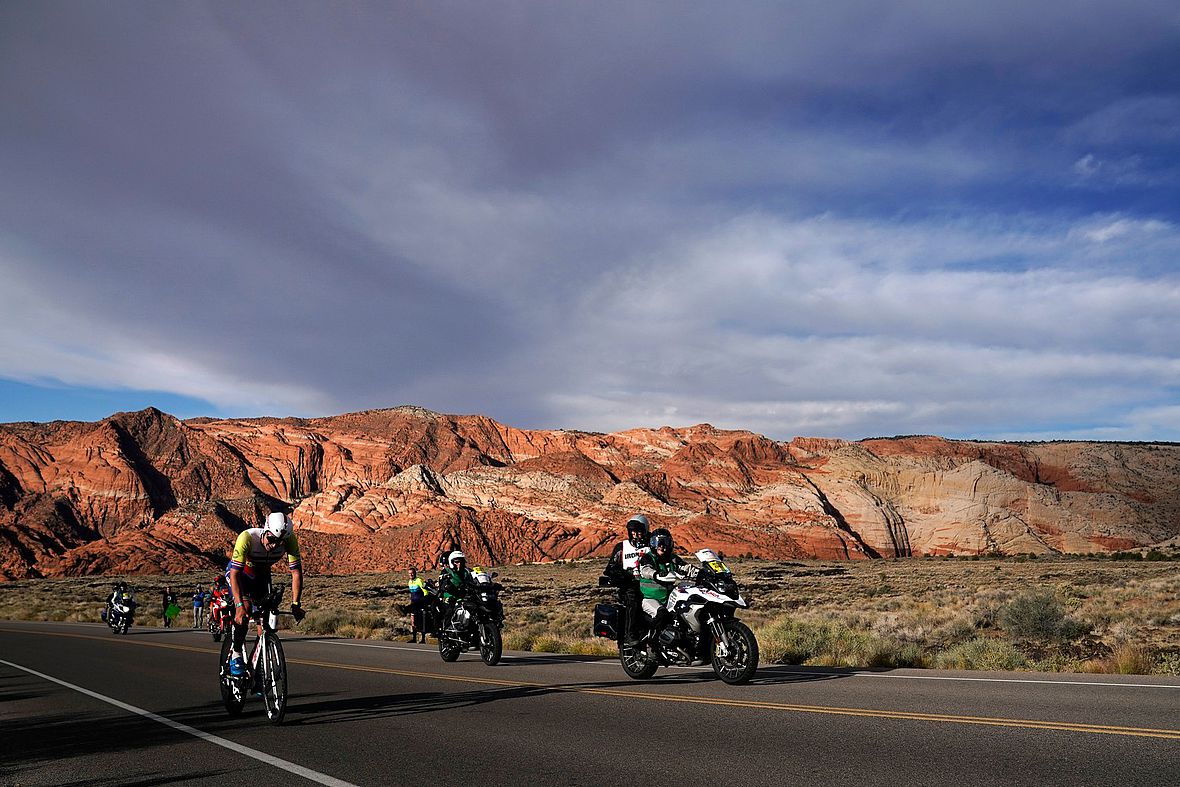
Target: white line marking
{"type": "Point", "coordinates": [290, 767]}
{"type": "Point", "coordinates": [980, 680]}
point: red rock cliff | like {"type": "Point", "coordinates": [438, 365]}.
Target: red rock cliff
{"type": "Point", "coordinates": [145, 492]}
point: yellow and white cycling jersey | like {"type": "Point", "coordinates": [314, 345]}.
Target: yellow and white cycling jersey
{"type": "Point", "coordinates": [249, 554]}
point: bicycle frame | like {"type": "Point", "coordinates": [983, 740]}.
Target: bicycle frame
{"type": "Point", "coordinates": [266, 665]}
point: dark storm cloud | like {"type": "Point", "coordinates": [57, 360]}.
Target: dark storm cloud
{"type": "Point", "coordinates": [845, 218]}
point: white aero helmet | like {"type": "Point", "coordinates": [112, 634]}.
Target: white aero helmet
{"type": "Point", "coordinates": [456, 555]}
{"type": "Point", "coordinates": [278, 525]}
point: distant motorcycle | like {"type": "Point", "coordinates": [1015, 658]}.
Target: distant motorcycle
{"type": "Point", "coordinates": [699, 628]}
{"type": "Point", "coordinates": [475, 623]}
{"type": "Point", "coordinates": [221, 616]}
{"type": "Point", "coordinates": [119, 615]}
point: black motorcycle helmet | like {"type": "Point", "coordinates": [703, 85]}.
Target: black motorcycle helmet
{"type": "Point", "coordinates": [661, 538]}
{"type": "Point", "coordinates": [637, 525]}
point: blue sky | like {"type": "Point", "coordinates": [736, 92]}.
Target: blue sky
{"type": "Point", "coordinates": [843, 219]}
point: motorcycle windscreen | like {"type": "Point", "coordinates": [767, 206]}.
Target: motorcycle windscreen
{"type": "Point", "coordinates": [709, 558]}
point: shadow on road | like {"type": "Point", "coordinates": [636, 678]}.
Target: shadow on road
{"type": "Point", "coordinates": [346, 709]}
{"type": "Point", "coordinates": [148, 778]}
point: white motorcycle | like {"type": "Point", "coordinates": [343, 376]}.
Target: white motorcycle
{"type": "Point", "coordinates": [696, 627]}
{"type": "Point", "coordinates": [119, 615]}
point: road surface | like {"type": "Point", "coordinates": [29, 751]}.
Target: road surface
{"type": "Point", "coordinates": [82, 706]}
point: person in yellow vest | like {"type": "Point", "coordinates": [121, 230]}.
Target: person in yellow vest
{"type": "Point", "coordinates": [417, 588]}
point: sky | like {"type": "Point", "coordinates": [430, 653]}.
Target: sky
{"type": "Point", "coordinates": [841, 218]}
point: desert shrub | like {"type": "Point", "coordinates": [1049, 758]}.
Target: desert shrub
{"type": "Point", "coordinates": [547, 645]}
{"type": "Point", "coordinates": [342, 622]}
{"type": "Point", "coordinates": [832, 644]}
{"type": "Point", "coordinates": [518, 640]}
{"type": "Point", "coordinates": [594, 647]}
{"type": "Point", "coordinates": [1125, 660]}
{"type": "Point", "coordinates": [1037, 616]}
{"type": "Point", "coordinates": [1168, 663]}
{"type": "Point", "coordinates": [1059, 662]}
{"type": "Point", "coordinates": [981, 653]}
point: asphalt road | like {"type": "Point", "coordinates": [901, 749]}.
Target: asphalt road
{"type": "Point", "coordinates": [99, 709]}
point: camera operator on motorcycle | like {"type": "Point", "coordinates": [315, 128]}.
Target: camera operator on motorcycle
{"type": "Point", "coordinates": [255, 551]}
{"type": "Point", "coordinates": [116, 595]}
{"type": "Point", "coordinates": [622, 571]}
{"type": "Point", "coordinates": [453, 583]}
{"type": "Point", "coordinates": [658, 571]}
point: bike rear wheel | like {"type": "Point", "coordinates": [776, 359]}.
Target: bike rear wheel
{"type": "Point", "coordinates": [274, 679]}
{"type": "Point", "coordinates": [448, 648]}
{"type": "Point", "coordinates": [491, 644]}
{"type": "Point", "coordinates": [233, 695]}
{"type": "Point", "coordinates": [636, 662]}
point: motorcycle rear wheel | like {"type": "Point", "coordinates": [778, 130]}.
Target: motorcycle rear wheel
{"type": "Point", "coordinates": [742, 662]}
{"type": "Point", "coordinates": [449, 649]}
{"type": "Point", "coordinates": [274, 680]}
{"type": "Point", "coordinates": [491, 644]}
{"type": "Point", "coordinates": [232, 693]}
{"type": "Point", "coordinates": [636, 663]}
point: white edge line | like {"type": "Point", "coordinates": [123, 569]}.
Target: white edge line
{"type": "Point", "coordinates": [982, 680]}
{"type": "Point", "coordinates": [298, 770]}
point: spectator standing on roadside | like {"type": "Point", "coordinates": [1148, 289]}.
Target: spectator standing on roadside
{"type": "Point", "coordinates": [417, 587]}
{"type": "Point", "coordinates": [198, 607]}
{"type": "Point", "coordinates": [168, 600]}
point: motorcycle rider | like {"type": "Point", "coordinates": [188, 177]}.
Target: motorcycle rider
{"type": "Point", "coordinates": [116, 594]}
{"type": "Point", "coordinates": [622, 570]}
{"type": "Point", "coordinates": [452, 583]}
{"type": "Point", "coordinates": [221, 599]}
{"type": "Point", "coordinates": [255, 551]}
{"type": "Point", "coordinates": [115, 597]}
{"type": "Point", "coordinates": [658, 570]}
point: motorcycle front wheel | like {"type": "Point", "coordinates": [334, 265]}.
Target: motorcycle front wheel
{"type": "Point", "coordinates": [636, 662]}
{"type": "Point", "coordinates": [741, 662]}
{"type": "Point", "coordinates": [274, 680]}
{"type": "Point", "coordinates": [126, 624]}
{"type": "Point", "coordinates": [491, 644]}
{"type": "Point", "coordinates": [232, 693]}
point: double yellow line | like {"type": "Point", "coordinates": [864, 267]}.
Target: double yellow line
{"type": "Point", "coordinates": [1032, 724]}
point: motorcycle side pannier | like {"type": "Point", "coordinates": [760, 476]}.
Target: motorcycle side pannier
{"type": "Point", "coordinates": [606, 620]}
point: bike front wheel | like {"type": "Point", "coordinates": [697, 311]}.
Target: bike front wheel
{"type": "Point", "coordinates": [491, 644]}
{"type": "Point", "coordinates": [274, 680]}
{"type": "Point", "coordinates": [740, 662]}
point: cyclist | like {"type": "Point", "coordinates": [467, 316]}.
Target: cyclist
{"type": "Point", "coordinates": [255, 551]}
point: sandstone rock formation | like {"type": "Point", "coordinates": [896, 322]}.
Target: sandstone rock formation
{"type": "Point", "coordinates": [145, 492]}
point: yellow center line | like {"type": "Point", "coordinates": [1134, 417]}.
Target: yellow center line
{"type": "Point", "coordinates": [1034, 724]}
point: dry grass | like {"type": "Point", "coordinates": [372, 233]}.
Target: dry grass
{"type": "Point", "coordinates": [1114, 616]}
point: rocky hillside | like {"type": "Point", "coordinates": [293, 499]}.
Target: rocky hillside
{"type": "Point", "coordinates": [144, 492]}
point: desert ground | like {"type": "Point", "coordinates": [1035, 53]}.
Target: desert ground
{"type": "Point", "coordinates": [1049, 614]}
